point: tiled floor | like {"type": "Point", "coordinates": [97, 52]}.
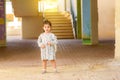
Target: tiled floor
{"type": "Point", "coordinates": [20, 60]}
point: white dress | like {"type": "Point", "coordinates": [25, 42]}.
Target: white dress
{"type": "Point", "coordinates": [47, 53]}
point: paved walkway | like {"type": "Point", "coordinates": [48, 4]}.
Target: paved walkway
{"type": "Point", "coordinates": [20, 60]}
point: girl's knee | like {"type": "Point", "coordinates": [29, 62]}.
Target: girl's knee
{"type": "Point", "coordinates": [44, 60]}
{"type": "Point", "coordinates": [52, 60]}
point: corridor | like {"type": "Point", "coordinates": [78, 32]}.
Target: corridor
{"type": "Point", "coordinates": [20, 60]}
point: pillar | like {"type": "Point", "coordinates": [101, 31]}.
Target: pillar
{"type": "Point", "coordinates": [117, 29]}
{"type": "Point", "coordinates": [31, 26]}
{"type": "Point", "coordinates": [31, 18]}
{"type": "Point", "coordinates": [78, 29]}
{"type": "Point", "coordinates": [2, 24]}
{"type": "Point", "coordinates": [89, 22]}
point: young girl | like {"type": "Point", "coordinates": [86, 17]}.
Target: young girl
{"type": "Point", "coordinates": [47, 42]}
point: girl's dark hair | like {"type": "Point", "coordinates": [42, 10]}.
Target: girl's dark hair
{"type": "Point", "coordinates": [47, 22]}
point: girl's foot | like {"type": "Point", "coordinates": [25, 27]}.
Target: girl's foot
{"type": "Point", "coordinates": [55, 70]}
{"type": "Point", "coordinates": [44, 71]}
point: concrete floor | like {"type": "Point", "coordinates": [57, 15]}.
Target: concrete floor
{"type": "Point", "coordinates": [20, 60]}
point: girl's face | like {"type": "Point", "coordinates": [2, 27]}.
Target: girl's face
{"type": "Point", "coordinates": [46, 28]}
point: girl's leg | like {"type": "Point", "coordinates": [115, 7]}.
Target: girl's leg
{"type": "Point", "coordinates": [44, 63]}
{"type": "Point", "coordinates": [54, 65]}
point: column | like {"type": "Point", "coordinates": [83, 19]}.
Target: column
{"type": "Point", "coordinates": [117, 29]}
{"type": "Point", "coordinates": [31, 18]}
{"type": "Point", "coordinates": [78, 19]}
{"type": "Point", "coordinates": [89, 22]}
{"type": "Point", "coordinates": [32, 26]}
{"type": "Point", "coordinates": [2, 24]}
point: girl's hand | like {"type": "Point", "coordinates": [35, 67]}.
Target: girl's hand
{"type": "Point", "coordinates": [42, 46]}
{"type": "Point", "coordinates": [49, 43]}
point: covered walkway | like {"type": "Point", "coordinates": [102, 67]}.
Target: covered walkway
{"type": "Point", "coordinates": [20, 60]}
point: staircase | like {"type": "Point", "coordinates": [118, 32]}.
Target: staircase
{"type": "Point", "coordinates": [61, 24]}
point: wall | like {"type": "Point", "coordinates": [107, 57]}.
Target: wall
{"type": "Point", "coordinates": [61, 5]}
{"type": "Point", "coordinates": [117, 29]}
{"type": "Point", "coordinates": [68, 5]}
{"type": "Point", "coordinates": [106, 9]}
{"type": "Point", "coordinates": [74, 5]}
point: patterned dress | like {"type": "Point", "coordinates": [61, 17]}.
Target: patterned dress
{"type": "Point", "coordinates": [47, 53]}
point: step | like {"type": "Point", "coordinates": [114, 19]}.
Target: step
{"type": "Point", "coordinates": [64, 34]}
{"type": "Point", "coordinates": [60, 22]}
{"type": "Point", "coordinates": [57, 19]}
{"type": "Point", "coordinates": [49, 13]}
{"type": "Point", "coordinates": [65, 37]}
{"type": "Point", "coordinates": [61, 25]}
{"type": "Point", "coordinates": [62, 19]}
{"type": "Point", "coordinates": [62, 28]}
{"type": "Point", "coordinates": [63, 31]}
{"type": "Point", "coordinates": [53, 16]}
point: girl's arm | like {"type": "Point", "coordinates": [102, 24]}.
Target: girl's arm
{"type": "Point", "coordinates": [39, 41]}
{"type": "Point", "coordinates": [54, 40]}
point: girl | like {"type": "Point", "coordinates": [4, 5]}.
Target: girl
{"type": "Point", "coordinates": [47, 42]}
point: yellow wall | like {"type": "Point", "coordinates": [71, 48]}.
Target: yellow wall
{"type": "Point", "coordinates": [106, 9]}
{"type": "Point", "coordinates": [117, 29]}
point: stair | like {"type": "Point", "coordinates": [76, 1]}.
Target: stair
{"type": "Point", "coordinates": [61, 24]}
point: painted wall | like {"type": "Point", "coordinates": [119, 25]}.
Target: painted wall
{"type": "Point", "coordinates": [86, 19]}
{"type": "Point", "coordinates": [117, 29]}
{"type": "Point", "coordinates": [106, 9]}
